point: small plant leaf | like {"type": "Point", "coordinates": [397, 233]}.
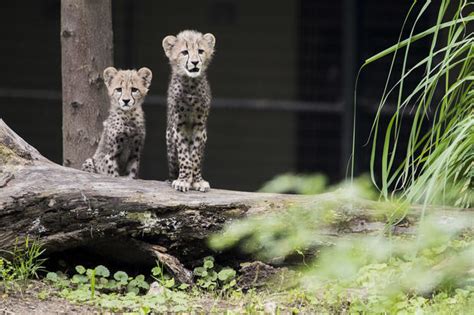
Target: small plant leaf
{"type": "Point", "coordinates": [183, 286]}
{"type": "Point", "coordinates": [144, 285]}
{"type": "Point", "coordinates": [208, 264]}
{"type": "Point", "coordinates": [199, 271]}
{"type": "Point", "coordinates": [78, 279]}
{"type": "Point", "coordinates": [52, 276]}
{"type": "Point", "coordinates": [169, 283]}
{"type": "Point", "coordinates": [209, 258]}
{"type": "Point", "coordinates": [80, 269]}
{"type": "Point", "coordinates": [133, 289]}
{"type": "Point", "coordinates": [226, 274]}
{"type": "Point", "coordinates": [121, 277]}
{"type": "Point", "coordinates": [90, 272]}
{"type": "Point", "coordinates": [102, 271]}
{"type": "Point", "coordinates": [156, 271]}
{"type": "Point", "coordinates": [111, 284]}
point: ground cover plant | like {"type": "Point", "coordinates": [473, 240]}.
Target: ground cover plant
{"type": "Point", "coordinates": [20, 264]}
{"type": "Point", "coordinates": [349, 277]}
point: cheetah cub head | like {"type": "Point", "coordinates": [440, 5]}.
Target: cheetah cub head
{"type": "Point", "coordinates": [127, 88]}
{"type": "Point", "coordinates": [189, 52]}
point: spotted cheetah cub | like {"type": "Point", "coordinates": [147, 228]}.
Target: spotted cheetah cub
{"type": "Point", "coordinates": [189, 98]}
{"type": "Point", "coordinates": [121, 142]}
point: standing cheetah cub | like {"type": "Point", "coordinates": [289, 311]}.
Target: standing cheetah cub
{"type": "Point", "coordinates": [121, 142]}
{"type": "Point", "coordinates": [189, 98]}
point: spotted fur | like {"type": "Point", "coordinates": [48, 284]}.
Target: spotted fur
{"type": "Point", "coordinates": [121, 142]}
{"type": "Point", "coordinates": [189, 99]}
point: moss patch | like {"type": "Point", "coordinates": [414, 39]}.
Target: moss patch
{"type": "Point", "coordinates": [7, 155]}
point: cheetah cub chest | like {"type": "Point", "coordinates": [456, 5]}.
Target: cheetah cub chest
{"type": "Point", "coordinates": [121, 142]}
{"type": "Point", "coordinates": [189, 99]}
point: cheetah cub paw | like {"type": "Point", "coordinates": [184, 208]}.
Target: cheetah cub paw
{"type": "Point", "coordinates": [88, 166]}
{"type": "Point", "coordinates": [181, 185]}
{"type": "Point", "coordinates": [201, 186]}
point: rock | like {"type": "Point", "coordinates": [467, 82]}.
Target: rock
{"type": "Point", "coordinates": [156, 289]}
{"type": "Point", "coordinates": [255, 274]}
{"type": "Point", "coordinates": [270, 308]}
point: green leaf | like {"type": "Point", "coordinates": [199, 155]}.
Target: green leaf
{"type": "Point", "coordinates": [144, 285]}
{"type": "Point", "coordinates": [80, 269]}
{"type": "Point", "coordinates": [156, 271]}
{"type": "Point", "coordinates": [212, 275]}
{"type": "Point", "coordinates": [121, 277]}
{"type": "Point", "coordinates": [416, 37]}
{"type": "Point", "coordinates": [145, 310]}
{"type": "Point", "coordinates": [199, 271]}
{"type": "Point", "coordinates": [180, 308]}
{"type": "Point", "coordinates": [169, 283]}
{"type": "Point", "coordinates": [78, 279]}
{"type": "Point", "coordinates": [102, 271]}
{"type": "Point", "coordinates": [226, 274]}
{"type": "Point", "coordinates": [132, 289]}
{"type": "Point", "coordinates": [183, 286]}
{"type": "Point", "coordinates": [52, 276]}
{"type": "Point", "coordinates": [208, 264]}
{"type": "Point", "coordinates": [131, 294]}
{"type": "Point", "coordinates": [102, 281]}
{"type": "Point", "coordinates": [111, 284]}
{"type": "Point", "coordinates": [208, 258]}
{"type": "Point", "coordinates": [90, 272]}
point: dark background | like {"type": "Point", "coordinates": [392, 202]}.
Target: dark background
{"type": "Point", "coordinates": [282, 79]}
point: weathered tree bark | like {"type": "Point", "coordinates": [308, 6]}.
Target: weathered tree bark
{"type": "Point", "coordinates": [87, 49]}
{"type": "Point", "coordinates": [137, 221]}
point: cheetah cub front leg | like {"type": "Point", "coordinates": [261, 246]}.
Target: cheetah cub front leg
{"type": "Point", "coordinates": [185, 175]}
{"type": "Point", "coordinates": [197, 147]}
{"type": "Point", "coordinates": [189, 99]}
{"type": "Point", "coordinates": [190, 145]}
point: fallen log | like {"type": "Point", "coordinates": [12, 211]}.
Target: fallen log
{"type": "Point", "coordinates": [138, 221]}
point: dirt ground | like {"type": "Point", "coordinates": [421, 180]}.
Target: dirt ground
{"type": "Point", "coordinates": [38, 298]}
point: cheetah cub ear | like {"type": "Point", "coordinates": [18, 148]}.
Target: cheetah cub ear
{"type": "Point", "coordinates": [168, 44]}
{"type": "Point", "coordinates": [146, 75]}
{"type": "Point", "coordinates": [210, 39]}
{"type": "Point", "coordinates": [109, 74]}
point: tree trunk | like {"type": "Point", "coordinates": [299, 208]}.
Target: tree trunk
{"type": "Point", "coordinates": [87, 49]}
{"type": "Point", "coordinates": [137, 221]}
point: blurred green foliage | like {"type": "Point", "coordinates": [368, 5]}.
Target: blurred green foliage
{"type": "Point", "coordinates": [361, 273]}
{"type": "Point", "coordinates": [311, 184]}
{"type": "Point", "coordinates": [306, 184]}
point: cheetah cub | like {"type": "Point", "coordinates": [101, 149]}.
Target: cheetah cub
{"type": "Point", "coordinates": [121, 142]}
{"type": "Point", "coordinates": [189, 98]}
